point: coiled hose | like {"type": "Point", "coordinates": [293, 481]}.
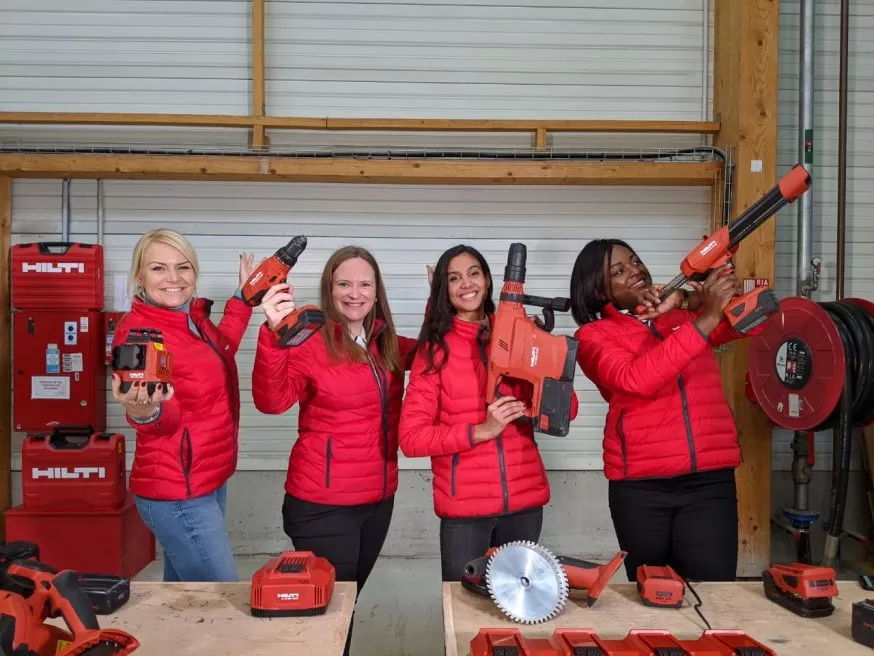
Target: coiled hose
{"type": "Point", "coordinates": [855, 324]}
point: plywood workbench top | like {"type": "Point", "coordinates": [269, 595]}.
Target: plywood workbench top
{"type": "Point", "coordinates": [182, 619]}
{"type": "Point", "coordinates": [725, 605]}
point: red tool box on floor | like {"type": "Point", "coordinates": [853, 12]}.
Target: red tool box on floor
{"type": "Point", "coordinates": [73, 468]}
{"type": "Point", "coordinates": [57, 275]}
{"type": "Point", "coordinates": [106, 542]}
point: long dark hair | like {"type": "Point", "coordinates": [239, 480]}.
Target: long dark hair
{"type": "Point", "coordinates": [588, 284]}
{"type": "Point", "coordinates": [440, 313]}
{"type": "Point", "coordinates": [340, 345]}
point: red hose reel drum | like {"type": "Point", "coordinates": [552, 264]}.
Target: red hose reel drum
{"type": "Point", "coordinates": [797, 366]}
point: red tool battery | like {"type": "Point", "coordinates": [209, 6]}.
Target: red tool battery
{"type": "Point", "coordinates": [59, 370]}
{"type": "Point", "coordinates": [57, 275]}
{"type": "Point", "coordinates": [113, 542]}
{"type": "Point", "coordinates": [73, 468]}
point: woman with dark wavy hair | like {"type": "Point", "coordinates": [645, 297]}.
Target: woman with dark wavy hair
{"type": "Point", "coordinates": [489, 483]}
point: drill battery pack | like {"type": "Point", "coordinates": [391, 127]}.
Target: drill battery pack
{"type": "Point", "coordinates": [73, 468]}
{"type": "Point", "coordinates": [863, 622]}
{"type": "Point", "coordinates": [107, 593]}
{"type": "Point", "coordinates": [585, 642]}
{"type": "Point", "coordinates": [143, 358]}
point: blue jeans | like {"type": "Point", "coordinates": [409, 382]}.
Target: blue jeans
{"type": "Point", "coordinates": [194, 537]}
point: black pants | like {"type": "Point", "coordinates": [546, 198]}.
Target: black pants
{"type": "Point", "coordinates": [462, 540]}
{"type": "Point", "coordinates": [688, 522]}
{"type": "Point", "coordinates": [349, 537]}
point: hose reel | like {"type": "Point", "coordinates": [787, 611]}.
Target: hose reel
{"type": "Point", "coordinates": [812, 369]}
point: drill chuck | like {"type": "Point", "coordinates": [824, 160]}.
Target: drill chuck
{"type": "Point", "coordinates": [289, 253]}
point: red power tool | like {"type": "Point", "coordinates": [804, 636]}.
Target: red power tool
{"type": "Point", "coordinates": [54, 594]}
{"type": "Point", "coordinates": [523, 349]}
{"type": "Point", "coordinates": [143, 359]}
{"type": "Point", "coordinates": [304, 322]}
{"type": "Point", "coordinates": [751, 309]}
{"type": "Point", "coordinates": [292, 584]}
{"type": "Point", "coordinates": [585, 642]}
{"type": "Point", "coordinates": [660, 586]}
{"type": "Point", "coordinates": [806, 590]}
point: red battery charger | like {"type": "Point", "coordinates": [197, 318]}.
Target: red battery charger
{"type": "Point", "coordinates": [73, 468]}
{"type": "Point", "coordinates": [57, 275]}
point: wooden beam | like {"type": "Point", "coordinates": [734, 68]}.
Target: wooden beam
{"type": "Point", "coordinates": [267, 169]}
{"type": "Point", "coordinates": [5, 352]}
{"type": "Point", "coordinates": [376, 124]}
{"type": "Point", "coordinates": [259, 136]}
{"type": "Point", "coordinates": [745, 96]}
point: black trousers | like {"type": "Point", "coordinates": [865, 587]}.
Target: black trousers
{"type": "Point", "coordinates": [349, 537]}
{"type": "Point", "coordinates": [688, 522]}
{"type": "Point", "coordinates": [462, 540]}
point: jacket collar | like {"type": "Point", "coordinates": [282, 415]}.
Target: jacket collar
{"type": "Point", "coordinates": [473, 330]}
{"type": "Point", "coordinates": [379, 327]}
{"type": "Point", "coordinates": [198, 309]}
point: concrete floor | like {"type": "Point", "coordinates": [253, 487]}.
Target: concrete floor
{"type": "Point", "coordinates": [399, 611]}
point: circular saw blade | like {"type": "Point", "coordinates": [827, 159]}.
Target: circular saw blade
{"type": "Point", "coordinates": [526, 582]}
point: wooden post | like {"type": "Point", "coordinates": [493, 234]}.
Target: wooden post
{"type": "Point", "coordinates": [745, 103]}
{"type": "Point", "coordinates": [259, 132]}
{"type": "Point", "coordinates": [5, 352]}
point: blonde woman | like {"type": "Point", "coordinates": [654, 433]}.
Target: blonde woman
{"type": "Point", "coordinates": [187, 432]}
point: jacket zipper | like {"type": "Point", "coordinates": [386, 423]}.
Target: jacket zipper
{"type": "Point", "coordinates": [328, 456]}
{"type": "Point", "coordinates": [382, 387]}
{"type": "Point", "coordinates": [481, 342]}
{"type": "Point", "coordinates": [186, 458]}
{"type": "Point", "coordinates": [620, 429]}
{"type": "Point", "coordinates": [681, 384]}
{"type": "Point", "coordinates": [455, 457]}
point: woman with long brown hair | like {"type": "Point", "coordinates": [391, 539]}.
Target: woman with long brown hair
{"type": "Point", "coordinates": [349, 382]}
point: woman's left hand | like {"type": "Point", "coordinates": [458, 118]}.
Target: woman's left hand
{"type": "Point", "coordinates": [654, 307]}
{"type": "Point", "coordinates": [247, 266]}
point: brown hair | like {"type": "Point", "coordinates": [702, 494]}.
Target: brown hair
{"type": "Point", "coordinates": [341, 347]}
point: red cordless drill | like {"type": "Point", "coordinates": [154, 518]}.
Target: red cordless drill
{"type": "Point", "coordinates": [304, 322]}
{"type": "Point", "coordinates": [751, 309]}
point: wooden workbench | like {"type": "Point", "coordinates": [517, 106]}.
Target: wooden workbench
{"type": "Point", "coordinates": [725, 605]}
{"type": "Point", "coordinates": [182, 619]}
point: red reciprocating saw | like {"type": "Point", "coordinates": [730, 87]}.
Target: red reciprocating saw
{"type": "Point", "coordinates": [751, 309]}
{"type": "Point", "coordinates": [523, 348]}
{"type": "Point", "coordinates": [304, 322]}
{"type": "Point", "coordinates": [46, 594]}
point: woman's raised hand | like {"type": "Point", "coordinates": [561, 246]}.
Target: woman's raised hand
{"type": "Point", "coordinates": [278, 303]}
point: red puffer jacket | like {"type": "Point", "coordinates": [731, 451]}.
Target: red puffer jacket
{"type": "Point", "coordinates": [668, 413]}
{"type": "Point", "coordinates": [346, 453]}
{"type": "Point", "coordinates": [191, 449]}
{"type": "Point", "coordinates": [496, 477]}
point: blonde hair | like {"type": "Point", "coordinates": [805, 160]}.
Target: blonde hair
{"type": "Point", "coordinates": [159, 236]}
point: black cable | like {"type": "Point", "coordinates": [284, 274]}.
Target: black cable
{"type": "Point", "coordinates": [698, 606]}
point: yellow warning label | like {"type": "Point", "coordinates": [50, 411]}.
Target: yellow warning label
{"type": "Point", "coordinates": [62, 645]}
{"type": "Point", "coordinates": [159, 347]}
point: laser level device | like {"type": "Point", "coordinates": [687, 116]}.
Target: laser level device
{"type": "Point", "coordinates": [304, 322]}
{"type": "Point", "coordinates": [751, 309]}
{"type": "Point", "coordinates": [292, 584]}
{"type": "Point", "coordinates": [143, 359]}
{"type": "Point", "coordinates": [522, 348]}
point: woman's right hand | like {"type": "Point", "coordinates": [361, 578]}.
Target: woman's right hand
{"type": "Point", "coordinates": [136, 401]}
{"type": "Point", "coordinates": [502, 412]}
{"type": "Point", "coordinates": [278, 303]}
{"type": "Point", "coordinates": [715, 294]}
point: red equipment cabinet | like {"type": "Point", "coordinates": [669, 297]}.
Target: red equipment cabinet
{"type": "Point", "coordinates": [58, 386]}
{"type": "Point", "coordinates": [73, 468]}
{"type": "Point", "coordinates": [57, 275]}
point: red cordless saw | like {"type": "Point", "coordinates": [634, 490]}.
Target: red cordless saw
{"type": "Point", "coordinates": [292, 584]}
{"type": "Point", "coordinates": [530, 585]}
{"type": "Point", "coordinates": [53, 594]}
{"type": "Point", "coordinates": [304, 322]}
{"type": "Point", "coordinates": [752, 308]}
{"type": "Point", "coordinates": [523, 348]}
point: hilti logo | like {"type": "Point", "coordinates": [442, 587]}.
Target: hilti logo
{"type": "Point", "coordinates": [68, 473]}
{"type": "Point", "coordinates": [287, 596]}
{"type": "Point", "coordinates": [535, 352]}
{"type": "Point", "coordinates": [254, 281]}
{"type": "Point", "coordinates": [52, 267]}
{"type": "Point", "coordinates": [709, 247]}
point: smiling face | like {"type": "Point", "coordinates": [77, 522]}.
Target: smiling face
{"type": "Point", "coordinates": [467, 288]}
{"type": "Point", "coordinates": [167, 276]}
{"type": "Point", "coordinates": [354, 291]}
{"type": "Point", "coordinates": [627, 278]}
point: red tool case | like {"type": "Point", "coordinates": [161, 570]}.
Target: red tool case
{"type": "Point", "coordinates": [73, 468]}
{"type": "Point", "coordinates": [57, 275]}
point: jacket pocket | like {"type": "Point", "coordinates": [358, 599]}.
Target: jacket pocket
{"type": "Point", "coordinates": [620, 431]}
{"type": "Point", "coordinates": [455, 458]}
{"type": "Point", "coordinates": [186, 458]}
{"type": "Point", "coordinates": [328, 456]}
